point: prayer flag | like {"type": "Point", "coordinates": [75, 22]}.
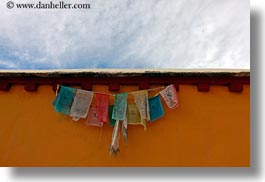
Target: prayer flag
{"type": "Point", "coordinates": [64, 100]}
{"type": "Point", "coordinates": [120, 106]}
{"type": "Point", "coordinates": [169, 94]}
{"type": "Point", "coordinates": [102, 107]}
{"type": "Point", "coordinates": [92, 118]}
{"type": "Point", "coordinates": [141, 100]}
{"type": "Point", "coordinates": [156, 108]}
{"type": "Point", "coordinates": [112, 121]}
{"type": "Point", "coordinates": [133, 116]}
{"type": "Point", "coordinates": [81, 104]}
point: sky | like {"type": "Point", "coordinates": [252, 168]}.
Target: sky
{"type": "Point", "coordinates": [159, 34]}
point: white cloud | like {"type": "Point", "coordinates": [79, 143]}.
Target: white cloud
{"type": "Point", "coordinates": [128, 34]}
{"type": "Point", "coordinates": [7, 64]}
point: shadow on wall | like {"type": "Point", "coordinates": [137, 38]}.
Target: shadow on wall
{"type": "Point", "coordinates": [253, 172]}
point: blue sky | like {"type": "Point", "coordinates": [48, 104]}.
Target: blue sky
{"type": "Point", "coordinates": [127, 34]}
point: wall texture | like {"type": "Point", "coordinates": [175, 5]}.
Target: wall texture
{"type": "Point", "coordinates": [207, 129]}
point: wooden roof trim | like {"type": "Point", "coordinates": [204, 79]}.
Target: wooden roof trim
{"type": "Point", "coordinates": [126, 72]}
{"type": "Point", "coordinates": [233, 79]}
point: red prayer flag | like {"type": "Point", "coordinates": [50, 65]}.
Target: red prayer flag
{"type": "Point", "coordinates": [102, 107]}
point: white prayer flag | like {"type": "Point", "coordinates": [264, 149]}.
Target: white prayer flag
{"type": "Point", "coordinates": [141, 101]}
{"type": "Point", "coordinates": [81, 104]}
{"type": "Point", "coordinates": [169, 94]}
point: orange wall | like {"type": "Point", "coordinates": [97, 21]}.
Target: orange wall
{"type": "Point", "coordinates": [208, 129]}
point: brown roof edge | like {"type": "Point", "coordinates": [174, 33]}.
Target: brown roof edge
{"type": "Point", "coordinates": [126, 72]}
{"type": "Point", "coordinates": [203, 78]}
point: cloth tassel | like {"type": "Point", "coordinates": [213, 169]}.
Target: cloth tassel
{"type": "Point", "coordinates": [114, 147]}
{"type": "Point", "coordinates": [125, 130]}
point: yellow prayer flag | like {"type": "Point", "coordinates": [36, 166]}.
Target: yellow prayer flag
{"type": "Point", "coordinates": [133, 116]}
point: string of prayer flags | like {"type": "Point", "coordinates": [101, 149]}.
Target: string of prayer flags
{"type": "Point", "coordinates": [156, 108]}
{"type": "Point", "coordinates": [133, 116]}
{"type": "Point", "coordinates": [114, 146]}
{"type": "Point", "coordinates": [81, 104]}
{"type": "Point", "coordinates": [102, 107]}
{"type": "Point", "coordinates": [92, 118]}
{"type": "Point", "coordinates": [77, 103]}
{"type": "Point", "coordinates": [141, 100]}
{"type": "Point", "coordinates": [169, 94]}
{"type": "Point", "coordinates": [120, 106]}
{"type": "Point", "coordinates": [64, 100]}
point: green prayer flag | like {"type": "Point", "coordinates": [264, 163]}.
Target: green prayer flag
{"type": "Point", "coordinates": [112, 121]}
{"type": "Point", "coordinates": [120, 106]}
{"type": "Point", "coordinates": [64, 100]}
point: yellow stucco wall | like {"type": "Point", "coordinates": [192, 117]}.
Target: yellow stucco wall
{"type": "Point", "coordinates": [208, 129]}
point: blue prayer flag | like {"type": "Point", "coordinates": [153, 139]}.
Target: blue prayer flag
{"type": "Point", "coordinates": [156, 109]}
{"type": "Point", "coordinates": [64, 100]}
